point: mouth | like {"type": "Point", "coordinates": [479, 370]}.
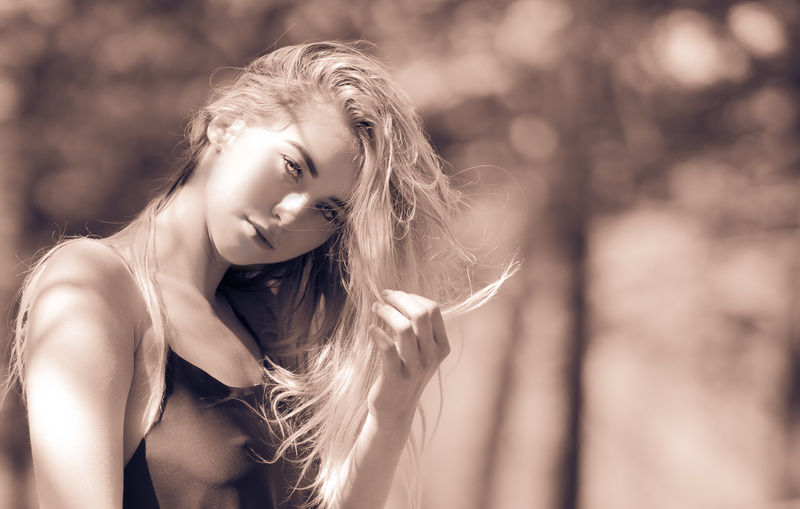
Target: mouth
{"type": "Point", "coordinates": [257, 235]}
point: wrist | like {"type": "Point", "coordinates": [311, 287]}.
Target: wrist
{"type": "Point", "coordinates": [391, 422]}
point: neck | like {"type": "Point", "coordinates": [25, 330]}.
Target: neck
{"type": "Point", "coordinates": [184, 250]}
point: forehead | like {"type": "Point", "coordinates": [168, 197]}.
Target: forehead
{"type": "Point", "coordinates": [324, 129]}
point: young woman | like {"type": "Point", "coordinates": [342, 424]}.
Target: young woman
{"type": "Point", "coordinates": [261, 334]}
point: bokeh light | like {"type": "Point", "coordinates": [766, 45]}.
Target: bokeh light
{"type": "Point", "coordinates": [641, 158]}
{"type": "Point", "coordinates": [531, 30]}
{"type": "Point", "coordinates": [688, 48]}
{"type": "Point", "coordinates": [758, 29]}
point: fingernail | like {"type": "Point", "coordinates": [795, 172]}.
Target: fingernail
{"type": "Point", "coordinates": [375, 306]}
{"type": "Point", "coordinates": [385, 292]}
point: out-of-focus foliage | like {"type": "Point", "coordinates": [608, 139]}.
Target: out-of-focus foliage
{"type": "Point", "coordinates": [643, 156]}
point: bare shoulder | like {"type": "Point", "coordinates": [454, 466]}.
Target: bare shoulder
{"type": "Point", "coordinates": [85, 280]}
{"type": "Point", "coordinates": [88, 258]}
{"type": "Point", "coordinates": [79, 369]}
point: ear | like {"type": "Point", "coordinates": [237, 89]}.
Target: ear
{"type": "Point", "coordinates": [221, 132]}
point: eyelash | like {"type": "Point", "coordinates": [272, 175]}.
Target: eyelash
{"type": "Point", "coordinates": [295, 171]}
{"type": "Point", "coordinates": [328, 212]}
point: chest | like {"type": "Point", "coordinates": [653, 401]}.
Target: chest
{"type": "Point", "coordinates": [209, 448]}
{"type": "Point", "coordinates": [216, 339]}
{"type": "Point", "coordinates": [214, 335]}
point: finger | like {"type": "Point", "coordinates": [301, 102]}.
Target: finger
{"type": "Point", "coordinates": [417, 313]}
{"type": "Point", "coordinates": [389, 356]}
{"type": "Point", "coordinates": [405, 338]}
{"type": "Point", "coordinates": [437, 322]}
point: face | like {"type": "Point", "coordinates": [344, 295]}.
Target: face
{"type": "Point", "coordinates": [273, 195]}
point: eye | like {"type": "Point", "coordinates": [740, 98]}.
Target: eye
{"type": "Point", "coordinates": [328, 212]}
{"type": "Point", "coordinates": [293, 169]}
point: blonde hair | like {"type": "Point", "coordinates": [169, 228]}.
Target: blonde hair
{"type": "Point", "coordinates": [398, 235]}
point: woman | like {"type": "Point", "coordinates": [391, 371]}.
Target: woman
{"type": "Point", "coordinates": [261, 334]}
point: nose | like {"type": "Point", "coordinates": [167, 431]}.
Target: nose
{"type": "Point", "coordinates": [291, 209]}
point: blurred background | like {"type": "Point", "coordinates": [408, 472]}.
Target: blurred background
{"type": "Point", "coordinates": [642, 157]}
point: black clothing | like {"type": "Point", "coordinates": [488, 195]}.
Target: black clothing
{"type": "Point", "coordinates": [202, 451]}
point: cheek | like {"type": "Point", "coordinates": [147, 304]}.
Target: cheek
{"type": "Point", "coordinates": [314, 239]}
{"type": "Point", "coordinates": [305, 241]}
{"type": "Point", "coordinates": [233, 188]}
{"type": "Point", "coordinates": [262, 187]}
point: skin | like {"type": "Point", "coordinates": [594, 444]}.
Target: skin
{"type": "Point", "coordinates": [86, 380]}
{"type": "Point", "coordinates": [409, 358]}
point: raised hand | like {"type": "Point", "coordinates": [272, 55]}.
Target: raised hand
{"type": "Point", "coordinates": [410, 358]}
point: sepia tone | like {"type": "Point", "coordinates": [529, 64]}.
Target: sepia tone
{"type": "Point", "coordinates": [641, 158]}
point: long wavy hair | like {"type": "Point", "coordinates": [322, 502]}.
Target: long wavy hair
{"type": "Point", "coordinates": [398, 234]}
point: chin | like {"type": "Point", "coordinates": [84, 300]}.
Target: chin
{"type": "Point", "coordinates": [240, 257]}
{"type": "Point", "coordinates": [252, 261]}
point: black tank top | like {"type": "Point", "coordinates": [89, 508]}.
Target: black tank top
{"type": "Point", "coordinates": [204, 450]}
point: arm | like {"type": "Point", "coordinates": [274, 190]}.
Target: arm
{"type": "Point", "coordinates": [409, 361]}
{"type": "Point", "coordinates": [79, 368]}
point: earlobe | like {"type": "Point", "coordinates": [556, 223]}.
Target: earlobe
{"type": "Point", "coordinates": [220, 133]}
{"type": "Point", "coordinates": [215, 133]}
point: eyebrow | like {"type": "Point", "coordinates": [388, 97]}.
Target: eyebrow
{"type": "Point", "coordinates": [309, 162]}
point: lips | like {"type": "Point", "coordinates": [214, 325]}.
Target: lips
{"type": "Point", "coordinates": [259, 235]}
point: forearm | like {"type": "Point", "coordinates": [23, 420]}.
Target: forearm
{"type": "Point", "coordinates": [370, 468]}
{"type": "Point", "coordinates": [409, 360]}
